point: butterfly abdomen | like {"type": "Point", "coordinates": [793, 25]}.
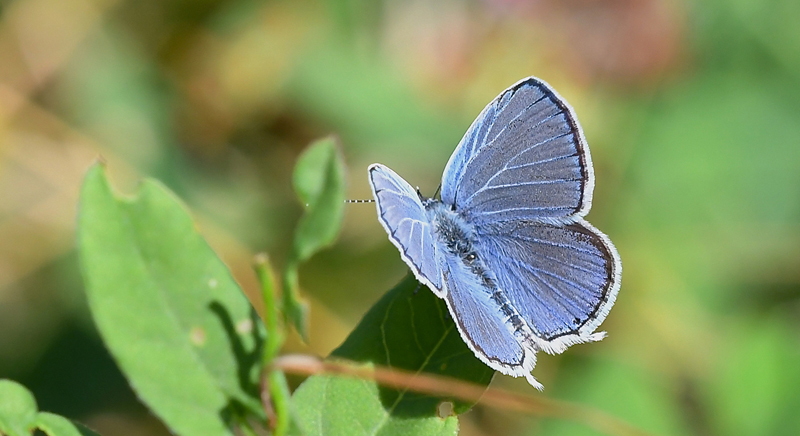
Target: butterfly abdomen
{"type": "Point", "coordinates": [458, 237]}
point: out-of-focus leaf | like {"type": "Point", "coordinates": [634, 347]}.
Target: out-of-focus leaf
{"type": "Point", "coordinates": [55, 425]}
{"type": "Point", "coordinates": [19, 415]}
{"type": "Point", "coordinates": [721, 151]}
{"type": "Point", "coordinates": [169, 311]}
{"type": "Point", "coordinates": [17, 409]}
{"type": "Point", "coordinates": [635, 396]}
{"type": "Point", "coordinates": [721, 156]}
{"type": "Point", "coordinates": [753, 389]}
{"type": "Point", "coordinates": [773, 24]}
{"type": "Point", "coordinates": [632, 395]}
{"type": "Point", "coordinates": [319, 182]}
{"type": "Point", "coordinates": [407, 330]}
{"type": "Point", "coordinates": [114, 94]}
{"type": "Point", "coordinates": [371, 103]}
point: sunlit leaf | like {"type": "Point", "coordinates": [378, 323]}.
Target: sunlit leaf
{"type": "Point", "coordinates": [169, 311]}
{"type": "Point", "coordinates": [17, 409]}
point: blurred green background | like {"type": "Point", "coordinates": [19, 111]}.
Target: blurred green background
{"type": "Point", "coordinates": [691, 109]}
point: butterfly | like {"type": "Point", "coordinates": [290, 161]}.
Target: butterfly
{"type": "Point", "coordinates": [506, 245]}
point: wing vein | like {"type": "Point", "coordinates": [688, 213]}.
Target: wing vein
{"type": "Point", "coordinates": [477, 151]}
{"type": "Point", "coordinates": [530, 147]}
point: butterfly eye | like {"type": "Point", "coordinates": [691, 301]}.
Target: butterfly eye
{"type": "Point", "coordinates": [471, 257]}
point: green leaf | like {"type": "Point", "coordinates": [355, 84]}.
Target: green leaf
{"type": "Point", "coordinates": [17, 409]}
{"type": "Point", "coordinates": [19, 415]}
{"type": "Point", "coordinates": [319, 181]}
{"type": "Point", "coordinates": [169, 311]}
{"type": "Point", "coordinates": [55, 425]}
{"type": "Point", "coordinates": [408, 330]}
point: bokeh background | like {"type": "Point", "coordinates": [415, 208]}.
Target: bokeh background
{"type": "Point", "coordinates": [691, 109]}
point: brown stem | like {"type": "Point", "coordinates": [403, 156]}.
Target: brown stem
{"type": "Point", "coordinates": [436, 385]}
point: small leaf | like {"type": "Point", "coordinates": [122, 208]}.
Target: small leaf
{"type": "Point", "coordinates": [169, 311]}
{"type": "Point", "coordinates": [319, 182]}
{"type": "Point", "coordinates": [408, 330]}
{"type": "Point", "coordinates": [55, 425]}
{"type": "Point", "coordinates": [17, 409]}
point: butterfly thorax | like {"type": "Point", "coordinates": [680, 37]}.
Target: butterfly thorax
{"type": "Point", "coordinates": [457, 236]}
{"type": "Point", "coordinates": [450, 229]}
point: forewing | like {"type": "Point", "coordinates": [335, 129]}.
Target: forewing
{"type": "Point", "coordinates": [483, 326]}
{"type": "Point", "coordinates": [523, 158]}
{"type": "Point", "coordinates": [403, 216]}
{"type": "Point", "coordinates": [562, 280]}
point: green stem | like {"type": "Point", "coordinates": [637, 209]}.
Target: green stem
{"type": "Point", "coordinates": [275, 335]}
{"type": "Point", "coordinates": [279, 392]}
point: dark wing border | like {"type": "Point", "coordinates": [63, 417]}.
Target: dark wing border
{"type": "Point", "coordinates": [587, 169]}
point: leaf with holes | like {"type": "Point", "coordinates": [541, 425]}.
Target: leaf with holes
{"type": "Point", "coordinates": [169, 311]}
{"type": "Point", "coordinates": [407, 330]}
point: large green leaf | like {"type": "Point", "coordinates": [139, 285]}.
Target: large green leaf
{"type": "Point", "coordinates": [319, 182]}
{"type": "Point", "coordinates": [167, 308]}
{"type": "Point", "coordinates": [17, 409]}
{"type": "Point", "coordinates": [408, 330]}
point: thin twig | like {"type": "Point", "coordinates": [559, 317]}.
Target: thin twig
{"type": "Point", "coordinates": [436, 385]}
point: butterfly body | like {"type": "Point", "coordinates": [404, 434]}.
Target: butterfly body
{"type": "Point", "coordinates": [452, 232]}
{"type": "Point", "coordinates": [506, 246]}
{"type": "Point", "coordinates": [457, 237]}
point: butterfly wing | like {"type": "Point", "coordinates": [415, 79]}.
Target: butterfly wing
{"type": "Point", "coordinates": [484, 327]}
{"type": "Point", "coordinates": [523, 158]}
{"type": "Point", "coordinates": [562, 279]}
{"type": "Point", "coordinates": [403, 216]}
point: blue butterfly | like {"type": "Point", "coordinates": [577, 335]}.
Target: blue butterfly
{"type": "Point", "coordinates": [506, 246]}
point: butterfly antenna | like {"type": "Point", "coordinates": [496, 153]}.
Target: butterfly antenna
{"type": "Point", "coordinates": [438, 191]}
{"type": "Point", "coordinates": [371, 200]}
